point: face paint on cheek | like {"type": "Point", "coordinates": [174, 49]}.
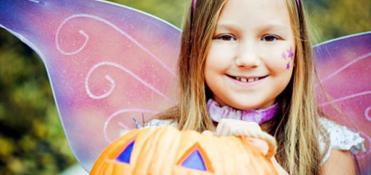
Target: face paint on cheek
{"type": "Point", "coordinates": [284, 55]}
{"type": "Point", "coordinates": [290, 53]}
{"type": "Point", "coordinates": [289, 56]}
{"type": "Point", "coordinates": [288, 66]}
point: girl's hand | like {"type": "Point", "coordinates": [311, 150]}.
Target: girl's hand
{"type": "Point", "coordinates": [227, 127]}
{"type": "Point", "coordinates": [252, 130]}
{"type": "Point", "coordinates": [257, 137]}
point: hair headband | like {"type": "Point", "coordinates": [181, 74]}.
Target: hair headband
{"type": "Point", "coordinates": [194, 5]}
{"type": "Point", "coordinates": [299, 9]}
{"type": "Point", "coordinates": [298, 5]}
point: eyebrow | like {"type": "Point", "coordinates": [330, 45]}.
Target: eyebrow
{"type": "Point", "coordinates": [228, 26]}
{"type": "Point", "coordinates": [275, 26]}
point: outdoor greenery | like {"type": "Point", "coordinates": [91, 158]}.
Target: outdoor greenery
{"type": "Point", "coordinates": [31, 136]}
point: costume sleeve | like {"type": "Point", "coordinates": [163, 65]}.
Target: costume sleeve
{"type": "Point", "coordinates": [340, 138]}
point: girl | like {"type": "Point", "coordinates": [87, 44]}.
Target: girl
{"type": "Point", "coordinates": [251, 60]}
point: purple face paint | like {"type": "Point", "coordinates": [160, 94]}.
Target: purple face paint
{"type": "Point", "coordinates": [284, 55]}
{"type": "Point", "coordinates": [290, 53]}
{"type": "Point", "coordinates": [288, 66]}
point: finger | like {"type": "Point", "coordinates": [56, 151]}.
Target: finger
{"type": "Point", "coordinates": [268, 139]}
{"type": "Point", "coordinates": [222, 128]}
{"type": "Point", "coordinates": [223, 131]}
{"type": "Point", "coordinates": [245, 130]}
{"type": "Point", "coordinates": [260, 144]}
{"type": "Point", "coordinates": [252, 125]}
{"type": "Point", "coordinates": [272, 145]}
{"type": "Point", "coordinates": [237, 127]}
{"type": "Point", "coordinates": [207, 133]}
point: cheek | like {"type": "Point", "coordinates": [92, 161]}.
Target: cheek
{"type": "Point", "coordinates": [275, 64]}
{"type": "Point", "coordinates": [279, 60]}
{"type": "Point", "coordinates": [288, 56]}
{"type": "Point", "coordinates": [220, 55]}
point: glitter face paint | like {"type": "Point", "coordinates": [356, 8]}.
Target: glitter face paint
{"type": "Point", "coordinates": [289, 56]}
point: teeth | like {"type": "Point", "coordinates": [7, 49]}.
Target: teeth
{"type": "Point", "coordinates": [243, 79]}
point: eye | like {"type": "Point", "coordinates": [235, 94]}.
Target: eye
{"type": "Point", "coordinates": [225, 37]}
{"type": "Point", "coordinates": [125, 155]}
{"type": "Point", "coordinates": [270, 38]}
{"type": "Point", "coordinates": [195, 158]}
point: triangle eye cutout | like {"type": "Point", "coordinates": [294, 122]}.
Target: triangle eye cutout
{"type": "Point", "coordinates": [125, 155]}
{"type": "Point", "coordinates": [196, 159]}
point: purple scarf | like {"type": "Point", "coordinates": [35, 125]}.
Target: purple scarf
{"type": "Point", "coordinates": [260, 116]}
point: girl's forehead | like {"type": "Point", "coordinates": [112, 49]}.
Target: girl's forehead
{"type": "Point", "coordinates": [253, 4]}
{"type": "Point", "coordinates": [255, 12]}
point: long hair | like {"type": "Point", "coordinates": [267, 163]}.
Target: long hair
{"type": "Point", "coordinates": [296, 130]}
{"type": "Point", "coordinates": [198, 30]}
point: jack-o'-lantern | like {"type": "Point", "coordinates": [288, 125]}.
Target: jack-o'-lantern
{"type": "Point", "coordinates": [166, 150]}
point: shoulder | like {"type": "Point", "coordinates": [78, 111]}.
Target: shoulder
{"type": "Point", "coordinates": [161, 122]}
{"type": "Point", "coordinates": [338, 138]}
{"type": "Point", "coordinates": [339, 162]}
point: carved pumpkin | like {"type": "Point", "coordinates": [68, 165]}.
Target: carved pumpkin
{"type": "Point", "coordinates": [166, 150]}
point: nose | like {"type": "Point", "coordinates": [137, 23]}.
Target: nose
{"type": "Point", "coordinates": [247, 56]}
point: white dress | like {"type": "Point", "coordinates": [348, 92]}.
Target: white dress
{"type": "Point", "coordinates": [340, 137]}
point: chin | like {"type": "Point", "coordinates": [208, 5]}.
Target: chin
{"type": "Point", "coordinates": [247, 106]}
{"type": "Point", "coordinates": [251, 104]}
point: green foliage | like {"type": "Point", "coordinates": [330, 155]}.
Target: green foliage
{"type": "Point", "coordinates": [31, 136]}
{"type": "Point", "coordinates": [332, 19]}
{"type": "Point", "coordinates": [169, 10]}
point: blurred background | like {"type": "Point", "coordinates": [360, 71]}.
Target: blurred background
{"type": "Point", "coordinates": [31, 136]}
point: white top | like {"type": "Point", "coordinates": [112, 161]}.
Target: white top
{"type": "Point", "coordinates": [340, 137]}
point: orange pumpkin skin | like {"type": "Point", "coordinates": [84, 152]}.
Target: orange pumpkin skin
{"type": "Point", "coordinates": [162, 150]}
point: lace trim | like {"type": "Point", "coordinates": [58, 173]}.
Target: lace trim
{"type": "Point", "coordinates": [159, 122]}
{"type": "Point", "coordinates": [340, 138]}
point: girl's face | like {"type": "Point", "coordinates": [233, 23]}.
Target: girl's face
{"type": "Point", "coordinates": [251, 58]}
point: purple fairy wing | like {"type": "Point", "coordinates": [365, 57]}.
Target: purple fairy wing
{"type": "Point", "coordinates": [344, 88]}
{"type": "Point", "coordinates": [107, 65]}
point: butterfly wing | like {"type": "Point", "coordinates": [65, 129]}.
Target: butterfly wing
{"type": "Point", "coordinates": [344, 88]}
{"type": "Point", "coordinates": [107, 64]}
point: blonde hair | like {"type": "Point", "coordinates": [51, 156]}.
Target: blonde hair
{"type": "Point", "coordinates": [197, 33]}
{"type": "Point", "coordinates": [296, 131]}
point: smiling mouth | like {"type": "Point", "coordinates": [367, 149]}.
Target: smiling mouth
{"type": "Point", "coordinates": [247, 79]}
